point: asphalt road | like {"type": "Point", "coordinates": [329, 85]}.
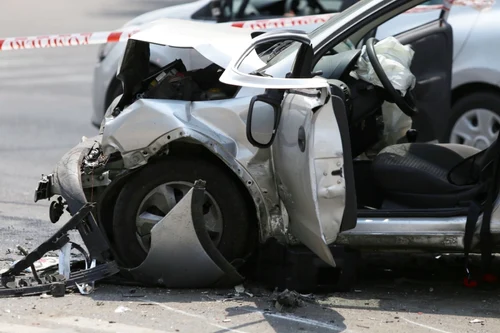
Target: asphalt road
{"type": "Point", "coordinates": [45, 109]}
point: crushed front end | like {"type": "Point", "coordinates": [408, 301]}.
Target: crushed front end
{"type": "Point", "coordinates": [171, 233]}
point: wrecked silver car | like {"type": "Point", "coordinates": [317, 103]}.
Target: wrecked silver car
{"type": "Point", "coordinates": [194, 174]}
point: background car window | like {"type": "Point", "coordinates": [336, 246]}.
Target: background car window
{"type": "Point", "coordinates": [204, 13]}
{"type": "Point", "coordinates": [433, 2]}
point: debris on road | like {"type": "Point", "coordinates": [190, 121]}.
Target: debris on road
{"type": "Point", "coordinates": [14, 281]}
{"type": "Point", "coordinates": [240, 289]}
{"type": "Point", "coordinates": [122, 309]}
{"type": "Point", "coordinates": [476, 321]}
{"type": "Point", "coordinates": [287, 299]}
{"type": "Point", "coordinates": [134, 293]}
{"type": "Point", "coordinates": [292, 299]}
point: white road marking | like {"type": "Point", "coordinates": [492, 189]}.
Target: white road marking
{"type": "Point", "coordinates": [13, 328]}
{"type": "Point", "coordinates": [71, 78]}
{"type": "Point", "coordinates": [166, 307]}
{"type": "Point", "coordinates": [301, 320]}
{"type": "Point", "coordinates": [43, 71]}
{"type": "Point", "coordinates": [424, 326]}
{"type": "Point", "coordinates": [31, 62]}
{"type": "Point", "coordinates": [97, 325]}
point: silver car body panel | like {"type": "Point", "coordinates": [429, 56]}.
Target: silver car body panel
{"type": "Point", "coordinates": [148, 125]}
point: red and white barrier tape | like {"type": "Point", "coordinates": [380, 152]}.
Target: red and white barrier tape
{"type": "Point", "coordinates": [313, 19]}
{"type": "Point", "coordinates": [477, 4]}
{"type": "Point", "coordinates": [38, 42]}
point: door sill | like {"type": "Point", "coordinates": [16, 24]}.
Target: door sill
{"type": "Point", "coordinates": [435, 212]}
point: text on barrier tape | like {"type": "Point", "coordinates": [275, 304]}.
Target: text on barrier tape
{"type": "Point", "coordinates": [39, 42]}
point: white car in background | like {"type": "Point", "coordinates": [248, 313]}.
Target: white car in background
{"type": "Point", "coordinates": [474, 118]}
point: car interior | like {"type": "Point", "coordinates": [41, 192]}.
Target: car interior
{"type": "Point", "coordinates": [415, 178]}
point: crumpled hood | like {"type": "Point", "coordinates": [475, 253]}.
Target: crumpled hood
{"type": "Point", "coordinates": [218, 43]}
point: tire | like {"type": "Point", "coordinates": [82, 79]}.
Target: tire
{"type": "Point", "coordinates": [238, 219]}
{"type": "Point", "coordinates": [477, 103]}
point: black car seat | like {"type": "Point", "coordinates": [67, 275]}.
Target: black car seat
{"type": "Point", "coordinates": [424, 175]}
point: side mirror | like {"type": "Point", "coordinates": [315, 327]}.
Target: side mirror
{"type": "Point", "coordinates": [263, 120]}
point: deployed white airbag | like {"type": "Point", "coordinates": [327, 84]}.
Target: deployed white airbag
{"type": "Point", "coordinates": [395, 58]}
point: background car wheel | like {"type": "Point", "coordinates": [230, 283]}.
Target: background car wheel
{"type": "Point", "coordinates": [476, 120]}
{"type": "Point", "coordinates": [158, 187]}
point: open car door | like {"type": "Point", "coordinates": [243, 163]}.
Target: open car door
{"type": "Point", "coordinates": [305, 123]}
{"type": "Point", "coordinates": [432, 41]}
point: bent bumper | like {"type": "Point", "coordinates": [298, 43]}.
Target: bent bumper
{"type": "Point", "coordinates": [66, 179]}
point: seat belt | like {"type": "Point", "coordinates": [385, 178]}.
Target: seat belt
{"type": "Point", "coordinates": [486, 244]}
{"type": "Point", "coordinates": [470, 226]}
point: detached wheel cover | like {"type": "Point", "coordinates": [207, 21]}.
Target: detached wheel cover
{"type": "Point", "coordinates": [228, 217]}
{"type": "Point", "coordinates": [160, 201]}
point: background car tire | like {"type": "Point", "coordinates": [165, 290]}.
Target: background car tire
{"type": "Point", "coordinates": [239, 222]}
{"type": "Point", "coordinates": [481, 104]}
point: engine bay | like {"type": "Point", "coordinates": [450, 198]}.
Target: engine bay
{"type": "Point", "coordinates": [175, 82]}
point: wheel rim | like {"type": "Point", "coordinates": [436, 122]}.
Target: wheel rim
{"type": "Point", "coordinates": [159, 201]}
{"type": "Point", "coordinates": [477, 128]}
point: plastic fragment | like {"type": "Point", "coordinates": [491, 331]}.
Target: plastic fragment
{"type": "Point", "coordinates": [122, 309]}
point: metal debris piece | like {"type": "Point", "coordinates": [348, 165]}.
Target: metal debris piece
{"type": "Point", "coordinates": [14, 281]}
{"type": "Point", "coordinates": [64, 260]}
{"type": "Point", "coordinates": [476, 321]}
{"type": "Point", "coordinates": [58, 289]}
{"type": "Point", "coordinates": [287, 299]}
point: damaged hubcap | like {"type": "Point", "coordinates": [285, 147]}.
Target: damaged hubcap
{"type": "Point", "coordinates": [158, 203]}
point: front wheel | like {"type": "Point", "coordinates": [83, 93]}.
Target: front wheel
{"type": "Point", "coordinates": [153, 191]}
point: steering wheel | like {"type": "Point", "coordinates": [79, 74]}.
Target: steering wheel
{"type": "Point", "coordinates": [407, 103]}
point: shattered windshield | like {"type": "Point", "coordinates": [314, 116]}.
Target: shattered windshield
{"type": "Point", "coordinates": [274, 50]}
{"type": "Point", "coordinates": [283, 50]}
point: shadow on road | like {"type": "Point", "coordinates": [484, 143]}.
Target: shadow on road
{"type": "Point", "coordinates": [397, 283]}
